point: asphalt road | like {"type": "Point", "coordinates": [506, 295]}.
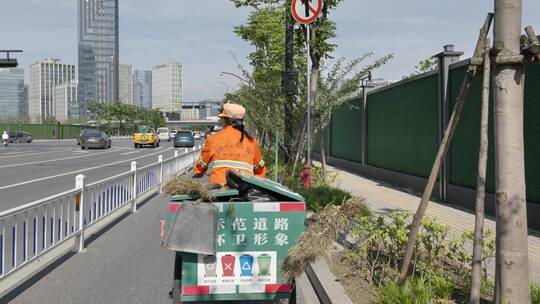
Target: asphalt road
{"type": "Point", "coordinates": [29, 172]}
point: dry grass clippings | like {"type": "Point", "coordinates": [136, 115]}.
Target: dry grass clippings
{"type": "Point", "coordinates": [183, 185]}
{"type": "Point", "coordinates": [316, 240]}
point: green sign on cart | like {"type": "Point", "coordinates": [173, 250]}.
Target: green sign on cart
{"type": "Point", "coordinates": [253, 239]}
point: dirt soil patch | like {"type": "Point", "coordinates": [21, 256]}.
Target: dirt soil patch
{"type": "Point", "coordinates": [357, 287]}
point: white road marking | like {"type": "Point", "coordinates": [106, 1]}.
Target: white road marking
{"type": "Point", "coordinates": [77, 171]}
{"type": "Point", "coordinates": [58, 159]}
{"type": "Point", "coordinates": [128, 153]}
{"type": "Point", "coordinates": [21, 153]}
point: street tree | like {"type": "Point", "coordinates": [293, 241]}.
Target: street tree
{"type": "Point", "coordinates": [512, 261]}
{"type": "Point", "coordinates": [261, 94]}
{"type": "Point", "coordinates": [322, 32]}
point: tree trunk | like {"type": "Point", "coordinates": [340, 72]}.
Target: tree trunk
{"type": "Point", "coordinates": [314, 81]}
{"type": "Point", "coordinates": [481, 184]}
{"type": "Point", "coordinates": [299, 145]}
{"type": "Point", "coordinates": [290, 97]}
{"type": "Point", "coordinates": [512, 263]}
{"type": "Point", "coordinates": [323, 155]}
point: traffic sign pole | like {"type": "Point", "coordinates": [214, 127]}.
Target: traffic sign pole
{"type": "Point", "coordinates": [306, 12]}
{"type": "Point", "coordinates": [309, 140]}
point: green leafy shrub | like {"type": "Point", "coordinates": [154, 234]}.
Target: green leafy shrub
{"type": "Point", "coordinates": [413, 291]}
{"type": "Point", "coordinates": [535, 294]}
{"type": "Point", "coordinates": [319, 197]}
{"type": "Point", "coordinates": [381, 245]}
{"type": "Point", "coordinates": [431, 288]}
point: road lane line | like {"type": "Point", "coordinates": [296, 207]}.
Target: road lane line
{"type": "Point", "coordinates": [19, 154]}
{"type": "Point", "coordinates": [77, 171]}
{"type": "Point", "coordinates": [58, 159]}
{"type": "Point", "coordinates": [128, 153]}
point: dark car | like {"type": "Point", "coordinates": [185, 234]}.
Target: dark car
{"type": "Point", "coordinates": [20, 137]}
{"type": "Point", "coordinates": [95, 139]}
{"type": "Point", "coordinates": [80, 135]}
{"type": "Point", "coordinates": [184, 139]}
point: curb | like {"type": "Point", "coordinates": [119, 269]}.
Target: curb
{"type": "Point", "coordinates": [325, 284]}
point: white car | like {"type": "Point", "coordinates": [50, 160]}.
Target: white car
{"type": "Point", "coordinates": [164, 134]}
{"type": "Point", "coordinates": [197, 136]}
{"type": "Point", "coordinates": [172, 134]}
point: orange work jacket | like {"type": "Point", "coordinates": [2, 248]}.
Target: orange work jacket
{"type": "Point", "coordinates": [223, 151]}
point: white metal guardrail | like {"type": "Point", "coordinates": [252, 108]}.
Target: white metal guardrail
{"type": "Point", "coordinates": [29, 231]}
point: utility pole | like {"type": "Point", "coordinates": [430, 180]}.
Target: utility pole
{"type": "Point", "coordinates": [512, 261]}
{"type": "Point", "coordinates": [289, 82]}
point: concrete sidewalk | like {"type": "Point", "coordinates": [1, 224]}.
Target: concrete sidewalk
{"type": "Point", "coordinates": [382, 199]}
{"type": "Point", "coordinates": [126, 264]}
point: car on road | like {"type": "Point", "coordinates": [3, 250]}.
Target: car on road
{"type": "Point", "coordinates": [197, 135]}
{"type": "Point", "coordinates": [20, 137]}
{"type": "Point", "coordinates": [80, 135]}
{"type": "Point", "coordinates": [95, 139]}
{"type": "Point", "coordinates": [145, 136]}
{"type": "Point", "coordinates": [184, 139]}
{"type": "Point", "coordinates": [172, 134]}
{"type": "Point", "coordinates": [164, 134]}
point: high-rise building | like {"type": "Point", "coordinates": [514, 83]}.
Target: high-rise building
{"type": "Point", "coordinates": [98, 52]}
{"type": "Point", "coordinates": [142, 89]}
{"type": "Point", "coordinates": [167, 87]}
{"type": "Point", "coordinates": [11, 92]}
{"type": "Point", "coordinates": [65, 100]}
{"type": "Point", "coordinates": [126, 84]}
{"type": "Point", "coordinates": [23, 108]}
{"type": "Point", "coordinates": [44, 76]}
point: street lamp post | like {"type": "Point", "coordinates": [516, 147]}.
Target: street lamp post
{"type": "Point", "coordinates": [238, 77]}
{"type": "Point", "coordinates": [365, 84]}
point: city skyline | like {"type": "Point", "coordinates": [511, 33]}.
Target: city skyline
{"type": "Point", "coordinates": [202, 39]}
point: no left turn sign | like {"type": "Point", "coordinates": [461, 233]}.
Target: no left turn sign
{"type": "Point", "coordinates": [306, 11]}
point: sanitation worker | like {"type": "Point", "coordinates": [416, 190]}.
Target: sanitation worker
{"type": "Point", "coordinates": [232, 148]}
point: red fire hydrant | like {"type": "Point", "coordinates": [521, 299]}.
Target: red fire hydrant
{"type": "Point", "coordinates": [306, 176]}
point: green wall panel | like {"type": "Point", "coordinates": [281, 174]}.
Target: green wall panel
{"type": "Point", "coordinates": [46, 131]}
{"type": "Point", "coordinates": [463, 158]}
{"type": "Point", "coordinates": [403, 127]}
{"type": "Point", "coordinates": [346, 131]}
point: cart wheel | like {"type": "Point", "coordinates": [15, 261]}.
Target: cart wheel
{"type": "Point", "coordinates": [177, 280]}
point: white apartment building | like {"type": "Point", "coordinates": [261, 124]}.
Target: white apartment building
{"type": "Point", "coordinates": [65, 100]}
{"type": "Point", "coordinates": [167, 87]}
{"type": "Point", "coordinates": [43, 77]}
{"type": "Point", "coordinates": [126, 84]}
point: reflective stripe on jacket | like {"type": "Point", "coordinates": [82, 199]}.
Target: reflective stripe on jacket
{"type": "Point", "coordinates": [223, 151]}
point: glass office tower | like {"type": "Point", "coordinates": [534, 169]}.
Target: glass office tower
{"type": "Point", "coordinates": [12, 92]}
{"type": "Point", "coordinates": [142, 89]}
{"type": "Point", "coordinates": [98, 52]}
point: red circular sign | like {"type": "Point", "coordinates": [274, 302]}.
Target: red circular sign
{"type": "Point", "coordinates": [303, 14]}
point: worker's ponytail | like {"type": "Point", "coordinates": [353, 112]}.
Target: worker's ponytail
{"type": "Point", "coordinates": [239, 125]}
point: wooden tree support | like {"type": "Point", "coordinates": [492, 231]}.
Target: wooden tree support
{"type": "Point", "coordinates": [530, 50]}
{"type": "Point", "coordinates": [443, 148]}
{"type": "Point", "coordinates": [481, 184]}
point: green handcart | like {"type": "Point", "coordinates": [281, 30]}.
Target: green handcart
{"type": "Point", "coordinates": [255, 227]}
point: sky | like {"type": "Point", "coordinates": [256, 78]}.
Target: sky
{"type": "Point", "coordinates": [200, 34]}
